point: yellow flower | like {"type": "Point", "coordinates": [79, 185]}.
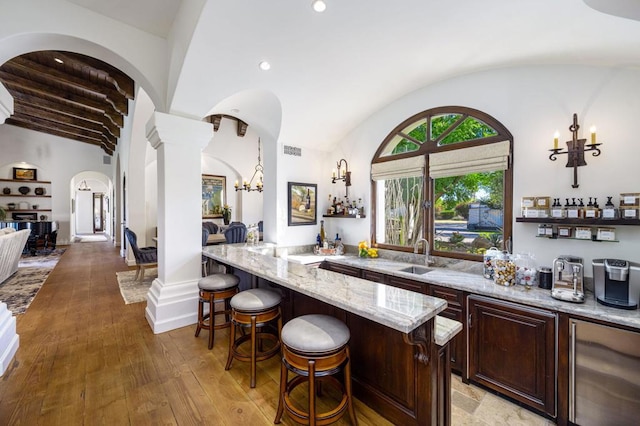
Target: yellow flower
{"type": "Point", "coordinates": [363, 245]}
{"type": "Point", "coordinates": [372, 252]}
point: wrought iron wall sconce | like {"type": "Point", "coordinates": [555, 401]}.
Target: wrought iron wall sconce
{"type": "Point", "coordinates": [343, 174]}
{"type": "Point", "coordinates": [575, 149]}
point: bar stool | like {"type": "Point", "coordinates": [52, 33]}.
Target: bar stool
{"type": "Point", "coordinates": [315, 347]}
{"type": "Point", "coordinates": [215, 288]}
{"type": "Point", "coordinates": [254, 309]}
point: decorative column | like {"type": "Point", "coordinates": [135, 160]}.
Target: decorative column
{"type": "Point", "coordinates": [9, 339]}
{"type": "Point", "coordinates": [172, 298]}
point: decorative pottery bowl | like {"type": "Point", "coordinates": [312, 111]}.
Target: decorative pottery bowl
{"type": "Point", "coordinates": [6, 191]}
{"type": "Point", "coordinates": [24, 190]}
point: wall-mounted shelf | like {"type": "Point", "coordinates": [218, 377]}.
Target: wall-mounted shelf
{"type": "Point", "coordinates": [586, 222]}
{"type": "Point", "coordinates": [578, 239]}
{"type": "Point", "coordinates": [27, 210]}
{"type": "Point", "coordinates": [25, 195]}
{"type": "Point", "coordinates": [345, 216]}
{"type": "Point", "coordinates": [45, 182]}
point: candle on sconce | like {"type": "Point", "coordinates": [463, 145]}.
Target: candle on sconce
{"type": "Point", "coordinates": [556, 135]}
{"type": "Point", "coordinates": [333, 174]}
{"type": "Point", "coordinates": [593, 135]}
{"type": "Point", "coordinates": [236, 184]}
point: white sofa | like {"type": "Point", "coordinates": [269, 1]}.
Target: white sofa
{"type": "Point", "coordinates": [12, 243]}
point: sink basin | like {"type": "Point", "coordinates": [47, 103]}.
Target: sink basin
{"type": "Point", "coordinates": [418, 270]}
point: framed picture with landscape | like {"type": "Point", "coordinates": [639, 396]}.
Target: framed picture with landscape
{"type": "Point", "coordinates": [303, 199]}
{"type": "Point", "coordinates": [214, 195]}
{"type": "Point", "coordinates": [25, 174]}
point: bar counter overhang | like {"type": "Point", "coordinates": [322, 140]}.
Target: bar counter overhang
{"type": "Point", "coordinates": [399, 346]}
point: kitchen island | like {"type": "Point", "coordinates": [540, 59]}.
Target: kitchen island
{"type": "Point", "coordinates": [399, 346]}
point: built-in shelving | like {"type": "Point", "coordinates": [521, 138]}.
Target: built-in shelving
{"type": "Point", "coordinates": [345, 216]}
{"type": "Point", "coordinates": [587, 222]}
{"type": "Point", "coordinates": [579, 239]}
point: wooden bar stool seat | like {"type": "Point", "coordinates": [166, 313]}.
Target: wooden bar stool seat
{"type": "Point", "coordinates": [256, 309]}
{"type": "Point", "coordinates": [315, 348]}
{"type": "Point", "coordinates": [215, 288]}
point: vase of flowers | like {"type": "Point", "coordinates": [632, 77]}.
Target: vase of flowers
{"type": "Point", "coordinates": [365, 251]}
{"type": "Point", "coordinates": [226, 214]}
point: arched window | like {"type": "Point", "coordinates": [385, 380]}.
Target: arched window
{"type": "Point", "coordinates": [444, 174]}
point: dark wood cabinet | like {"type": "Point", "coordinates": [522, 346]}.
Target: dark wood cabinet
{"type": "Point", "coordinates": [417, 286]}
{"type": "Point", "coordinates": [455, 311]}
{"type": "Point", "coordinates": [512, 349]}
{"type": "Point", "coordinates": [376, 277]}
{"type": "Point", "coordinates": [342, 269]}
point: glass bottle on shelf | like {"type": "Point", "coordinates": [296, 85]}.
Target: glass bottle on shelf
{"type": "Point", "coordinates": [572, 210]}
{"type": "Point", "coordinates": [609, 211]}
{"type": "Point", "coordinates": [323, 236]}
{"type": "Point", "coordinates": [556, 209]}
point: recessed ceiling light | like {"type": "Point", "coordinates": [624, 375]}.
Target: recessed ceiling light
{"type": "Point", "coordinates": [58, 60]}
{"type": "Point", "coordinates": [318, 5]}
{"type": "Point", "coordinates": [264, 65]}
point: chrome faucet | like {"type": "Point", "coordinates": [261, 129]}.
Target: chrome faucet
{"type": "Point", "coordinates": [427, 256]}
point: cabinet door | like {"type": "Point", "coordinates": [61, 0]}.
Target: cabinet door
{"type": "Point", "coordinates": [343, 269]}
{"type": "Point", "coordinates": [512, 350]}
{"type": "Point", "coordinates": [454, 311]}
{"type": "Point", "coordinates": [417, 286]}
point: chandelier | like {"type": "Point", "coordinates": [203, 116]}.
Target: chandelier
{"type": "Point", "coordinates": [83, 186]}
{"type": "Point", "coordinates": [258, 173]}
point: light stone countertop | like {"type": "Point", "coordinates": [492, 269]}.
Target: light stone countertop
{"type": "Point", "coordinates": [477, 284]}
{"type": "Point", "coordinates": [393, 307]}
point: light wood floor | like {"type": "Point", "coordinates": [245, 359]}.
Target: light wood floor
{"type": "Point", "coordinates": [87, 358]}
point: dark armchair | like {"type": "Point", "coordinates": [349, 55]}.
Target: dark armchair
{"type": "Point", "coordinates": [211, 227]}
{"type": "Point", "coordinates": [236, 234]}
{"type": "Point", "coordinates": [145, 256]}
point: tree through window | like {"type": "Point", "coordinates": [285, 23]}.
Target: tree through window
{"type": "Point", "coordinates": [445, 175]}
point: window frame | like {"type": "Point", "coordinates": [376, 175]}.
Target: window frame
{"type": "Point", "coordinates": [431, 146]}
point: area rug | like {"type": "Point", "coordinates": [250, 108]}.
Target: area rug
{"type": "Point", "coordinates": [135, 291]}
{"type": "Point", "coordinates": [21, 288]}
{"type": "Point", "coordinates": [90, 238]}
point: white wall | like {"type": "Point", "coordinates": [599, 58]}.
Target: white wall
{"type": "Point", "coordinates": [235, 158]}
{"type": "Point", "coordinates": [57, 159]}
{"type": "Point", "coordinates": [532, 102]}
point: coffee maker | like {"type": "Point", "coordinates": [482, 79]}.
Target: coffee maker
{"type": "Point", "coordinates": [568, 279]}
{"type": "Point", "coordinates": [617, 283]}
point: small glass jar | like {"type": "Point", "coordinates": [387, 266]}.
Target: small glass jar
{"type": "Point", "coordinates": [489, 255]}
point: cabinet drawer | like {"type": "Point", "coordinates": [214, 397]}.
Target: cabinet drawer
{"type": "Point", "coordinates": [342, 269]}
{"type": "Point", "coordinates": [406, 284]}
{"type": "Point", "coordinates": [373, 276]}
{"type": "Point", "coordinates": [453, 297]}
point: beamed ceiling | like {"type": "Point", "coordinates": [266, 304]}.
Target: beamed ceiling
{"type": "Point", "coordinates": [79, 98]}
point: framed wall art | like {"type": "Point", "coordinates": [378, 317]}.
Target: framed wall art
{"type": "Point", "coordinates": [214, 195]}
{"type": "Point", "coordinates": [302, 199]}
{"type": "Point", "coordinates": [25, 174]}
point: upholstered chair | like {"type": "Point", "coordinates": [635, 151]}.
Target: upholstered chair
{"type": "Point", "coordinates": [145, 256]}
{"type": "Point", "coordinates": [236, 234]}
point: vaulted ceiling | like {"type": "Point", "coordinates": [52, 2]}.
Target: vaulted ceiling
{"type": "Point", "coordinates": [68, 95]}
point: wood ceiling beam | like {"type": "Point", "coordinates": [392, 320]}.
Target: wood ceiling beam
{"type": "Point", "coordinates": [121, 82]}
{"type": "Point", "coordinates": [21, 84]}
{"type": "Point", "coordinates": [55, 132]}
{"type": "Point", "coordinates": [241, 129]}
{"type": "Point", "coordinates": [54, 117]}
{"type": "Point", "coordinates": [20, 98]}
{"type": "Point", "coordinates": [50, 76]}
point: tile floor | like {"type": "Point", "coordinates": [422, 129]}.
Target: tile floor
{"type": "Point", "coordinates": [471, 405]}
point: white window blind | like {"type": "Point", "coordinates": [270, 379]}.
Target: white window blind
{"type": "Point", "coordinates": [396, 169]}
{"type": "Point", "coordinates": [459, 162]}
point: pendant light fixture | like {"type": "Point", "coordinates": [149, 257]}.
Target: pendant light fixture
{"type": "Point", "coordinates": [83, 186]}
{"type": "Point", "coordinates": [319, 5]}
{"type": "Point", "coordinates": [257, 175]}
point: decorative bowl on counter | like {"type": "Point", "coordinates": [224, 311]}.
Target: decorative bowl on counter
{"type": "Point", "coordinates": [24, 190]}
